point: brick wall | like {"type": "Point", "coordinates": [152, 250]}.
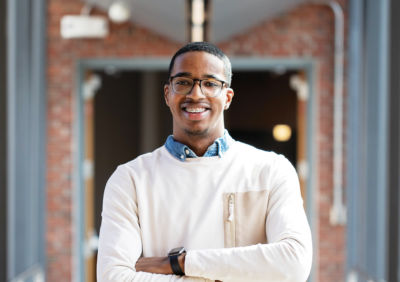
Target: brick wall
{"type": "Point", "coordinates": [124, 41]}
{"type": "Point", "coordinates": [305, 31]}
{"type": "Point", "coordinates": [308, 31]}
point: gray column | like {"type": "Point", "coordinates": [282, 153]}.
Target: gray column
{"type": "Point", "coordinates": [368, 108]}
{"type": "Point", "coordinates": [3, 129]}
{"type": "Point", "coordinates": [26, 112]}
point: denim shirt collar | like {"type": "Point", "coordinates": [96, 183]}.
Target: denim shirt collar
{"type": "Point", "coordinates": [181, 151]}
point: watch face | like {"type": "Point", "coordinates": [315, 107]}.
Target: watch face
{"type": "Point", "coordinates": [177, 251]}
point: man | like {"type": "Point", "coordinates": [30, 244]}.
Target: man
{"type": "Point", "coordinates": [237, 210]}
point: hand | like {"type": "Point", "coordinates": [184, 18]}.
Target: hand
{"type": "Point", "coordinates": [158, 265]}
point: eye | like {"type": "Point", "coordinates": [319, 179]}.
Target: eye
{"type": "Point", "coordinates": [211, 83]}
{"type": "Point", "coordinates": [182, 82]}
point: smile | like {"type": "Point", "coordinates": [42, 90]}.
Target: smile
{"type": "Point", "coordinates": [195, 107]}
{"type": "Point", "coordinates": [195, 110]}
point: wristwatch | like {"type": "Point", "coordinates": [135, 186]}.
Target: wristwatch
{"type": "Point", "coordinates": [173, 260]}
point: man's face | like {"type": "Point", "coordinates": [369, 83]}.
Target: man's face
{"type": "Point", "coordinates": [195, 114]}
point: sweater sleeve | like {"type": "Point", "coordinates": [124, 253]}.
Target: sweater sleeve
{"type": "Point", "coordinates": [120, 244]}
{"type": "Point", "coordinates": [288, 254]}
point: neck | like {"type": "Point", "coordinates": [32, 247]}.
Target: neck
{"type": "Point", "coordinates": [198, 143]}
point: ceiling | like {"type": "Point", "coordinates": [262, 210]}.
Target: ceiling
{"type": "Point", "coordinates": [229, 17]}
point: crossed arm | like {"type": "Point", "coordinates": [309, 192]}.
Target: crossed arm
{"type": "Point", "coordinates": [287, 257]}
{"type": "Point", "coordinates": [159, 265]}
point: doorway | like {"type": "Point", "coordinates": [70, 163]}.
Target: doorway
{"type": "Point", "coordinates": [264, 99]}
{"type": "Point", "coordinates": [127, 116]}
{"type": "Point", "coordinates": [129, 120]}
{"type": "Point", "coordinates": [124, 116]}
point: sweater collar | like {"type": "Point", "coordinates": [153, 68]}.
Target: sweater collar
{"type": "Point", "coordinates": [182, 151]}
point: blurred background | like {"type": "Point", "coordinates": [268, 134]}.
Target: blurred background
{"type": "Point", "coordinates": [81, 91]}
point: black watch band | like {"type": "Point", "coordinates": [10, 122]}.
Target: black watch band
{"type": "Point", "coordinates": [173, 260]}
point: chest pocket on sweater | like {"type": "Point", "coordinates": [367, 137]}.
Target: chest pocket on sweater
{"type": "Point", "coordinates": [245, 215]}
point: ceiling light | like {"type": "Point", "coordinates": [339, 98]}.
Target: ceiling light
{"type": "Point", "coordinates": [282, 132]}
{"type": "Point", "coordinates": [119, 12]}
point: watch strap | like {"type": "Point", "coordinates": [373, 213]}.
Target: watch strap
{"type": "Point", "coordinates": [173, 260]}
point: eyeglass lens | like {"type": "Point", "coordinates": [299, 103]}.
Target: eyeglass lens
{"type": "Point", "coordinates": [184, 85]}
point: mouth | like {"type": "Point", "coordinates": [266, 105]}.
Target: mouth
{"type": "Point", "coordinates": [195, 111]}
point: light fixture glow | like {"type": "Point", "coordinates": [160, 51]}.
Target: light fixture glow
{"type": "Point", "coordinates": [198, 17]}
{"type": "Point", "coordinates": [282, 132]}
{"type": "Point", "coordinates": [198, 12]}
{"type": "Point", "coordinates": [119, 12]}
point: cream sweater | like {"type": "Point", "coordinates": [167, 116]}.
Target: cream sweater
{"type": "Point", "coordinates": [240, 217]}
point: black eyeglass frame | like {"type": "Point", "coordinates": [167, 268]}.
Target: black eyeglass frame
{"type": "Point", "coordinates": [224, 83]}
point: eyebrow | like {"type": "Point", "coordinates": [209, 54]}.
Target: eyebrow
{"type": "Point", "coordinates": [189, 74]}
{"type": "Point", "coordinates": [182, 74]}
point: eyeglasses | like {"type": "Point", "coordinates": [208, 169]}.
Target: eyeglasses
{"type": "Point", "coordinates": [210, 87]}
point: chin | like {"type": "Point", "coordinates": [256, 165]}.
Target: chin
{"type": "Point", "coordinates": [196, 132]}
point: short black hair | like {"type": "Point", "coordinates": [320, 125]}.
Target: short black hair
{"type": "Point", "coordinates": [204, 47]}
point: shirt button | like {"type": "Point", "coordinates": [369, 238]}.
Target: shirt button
{"type": "Point", "coordinates": [186, 151]}
{"type": "Point", "coordinates": [182, 157]}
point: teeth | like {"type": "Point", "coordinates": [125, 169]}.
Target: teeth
{"type": "Point", "coordinates": [195, 110]}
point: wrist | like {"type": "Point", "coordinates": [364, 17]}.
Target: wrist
{"type": "Point", "coordinates": [181, 261]}
{"type": "Point", "coordinates": [177, 260]}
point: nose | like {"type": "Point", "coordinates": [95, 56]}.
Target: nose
{"type": "Point", "coordinates": [196, 91]}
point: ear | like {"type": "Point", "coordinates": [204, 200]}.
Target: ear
{"type": "Point", "coordinates": [229, 96]}
{"type": "Point", "coordinates": [166, 94]}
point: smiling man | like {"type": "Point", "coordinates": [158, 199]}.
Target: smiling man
{"type": "Point", "coordinates": [203, 206]}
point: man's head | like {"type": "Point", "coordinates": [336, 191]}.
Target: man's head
{"type": "Point", "coordinates": [208, 48]}
{"type": "Point", "coordinates": [198, 92]}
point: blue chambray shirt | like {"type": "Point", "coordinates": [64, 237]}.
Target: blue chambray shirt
{"type": "Point", "coordinates": [181, 151]}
